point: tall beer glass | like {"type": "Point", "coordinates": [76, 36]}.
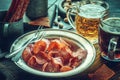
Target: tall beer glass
{"type": "Point", "coordinates": [87, 18]}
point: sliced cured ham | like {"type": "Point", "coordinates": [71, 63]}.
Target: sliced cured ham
{"type": "Point", "coordinates": [65, 68]}
{"type": "Point", "coordinates": [39, 46]}
{"type": "Point", "coordinates": [27, 53]}
{"type": "Point", "coordinates": [53, 55]}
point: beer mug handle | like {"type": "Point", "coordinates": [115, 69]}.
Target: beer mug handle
{"type": "Point", "coordinates": [70, 19]}
{"type": "Point", "coordinates": [112, 47]}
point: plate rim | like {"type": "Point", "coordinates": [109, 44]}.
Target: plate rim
{"type": "Point", "coordinates": [47, 74]}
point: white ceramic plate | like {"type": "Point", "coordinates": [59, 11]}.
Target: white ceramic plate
{"type": "Point", "coordinates": [81, 41]}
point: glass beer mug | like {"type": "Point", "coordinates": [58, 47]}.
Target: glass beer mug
{"type": "Point", "coordinates": [109, 37]}
{"type": "Point", "coordinates": [87, 18]}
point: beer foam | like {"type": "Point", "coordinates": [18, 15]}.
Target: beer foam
{"type": "Point", "coordinates": [91, 11]}
{"type": "Point", "coordinates": [111, 25]}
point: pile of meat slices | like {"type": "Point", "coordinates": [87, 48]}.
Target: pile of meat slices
{"type": "Point", "coordinates": [53, 55]}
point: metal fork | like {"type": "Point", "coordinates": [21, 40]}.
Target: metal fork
{"type": "Point", "coordinates": [36, 36]}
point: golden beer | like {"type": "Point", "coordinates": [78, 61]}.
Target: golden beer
{"type": "Point", "coordinates": [88, 19]}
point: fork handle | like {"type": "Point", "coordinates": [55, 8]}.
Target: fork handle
{"type": "Point", "coordinates": [13, 53]}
